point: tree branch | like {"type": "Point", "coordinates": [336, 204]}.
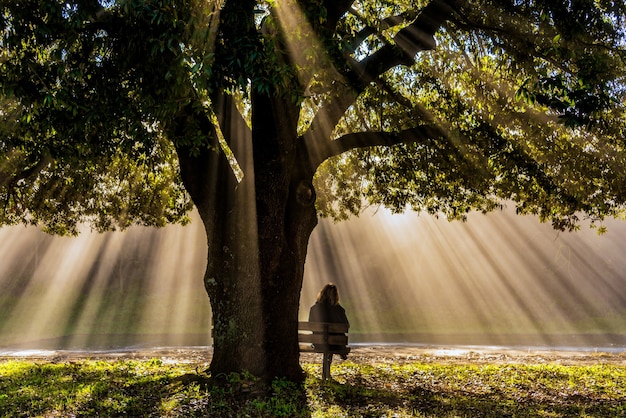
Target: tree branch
{"type": "Point", "coordinates": [423, 134]}
{"type": "Point", "coordinates": [335, 9]}
{"type": "Point", "coordinates": [384, 24]}
{"type": "Point", "coordinates": [200, 158]}
{"type": "Point", "coordinates": [11, 179]}
{"type": "Point", "coordinates": [417, 36]}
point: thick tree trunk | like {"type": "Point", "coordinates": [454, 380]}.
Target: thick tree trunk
{"type": "Point", "coordinates": [254, 280]}
{"type": "Point", "coordinates": [285, 216]}
{"type": "Point", "coordinates": [257, 234]}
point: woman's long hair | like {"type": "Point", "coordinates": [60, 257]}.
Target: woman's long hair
{"type": "Point", "coordinates": [328, 295]}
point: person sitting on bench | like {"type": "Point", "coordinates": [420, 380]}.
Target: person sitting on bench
{"type": "Point", "coordinates": [328, 309]}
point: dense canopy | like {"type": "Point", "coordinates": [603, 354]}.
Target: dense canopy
{"type": "Point", "coordinates": [529, 98]}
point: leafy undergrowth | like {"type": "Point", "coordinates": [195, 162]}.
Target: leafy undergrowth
{"type": "Point", "coordinates": [154, 389]}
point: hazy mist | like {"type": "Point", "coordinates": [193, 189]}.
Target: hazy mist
{"type": "Point", "coordinates": [496, 279]}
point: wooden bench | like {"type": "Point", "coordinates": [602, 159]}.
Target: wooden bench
{"type": "Point", "coordinates": [318, 337]}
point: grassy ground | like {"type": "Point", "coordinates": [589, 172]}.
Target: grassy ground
{"type": "Point", "coordinates": [153, 388]}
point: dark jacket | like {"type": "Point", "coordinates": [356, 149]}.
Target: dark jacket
{"type": "Point", "coordinates": [324, 312]}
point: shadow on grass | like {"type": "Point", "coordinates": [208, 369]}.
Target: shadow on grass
{"type": "Point", "coordinates": [140, 389]}
{"type": "Point", "coordinates": [367, 399]}
{"type": "Point", "coordinates": [237, 395]}
{"type": "Point", "coordinates": [154, 389]}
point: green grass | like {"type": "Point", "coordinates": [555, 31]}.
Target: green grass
{"type": "Point", "coordinates": [154, 389]}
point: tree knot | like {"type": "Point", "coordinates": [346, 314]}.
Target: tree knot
{"type": "Point", "coordinates": [305, 193]}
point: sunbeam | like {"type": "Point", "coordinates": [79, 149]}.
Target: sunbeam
{"type": "Point", "coordinates": [496, 279]}
{"type": "Point", "coordinates": [104, 290]}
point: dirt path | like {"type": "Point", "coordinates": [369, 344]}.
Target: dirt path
{"type": "Point", "coordinates": [360, 354]}
{"type": "Point", "coordinates": [480, 355]}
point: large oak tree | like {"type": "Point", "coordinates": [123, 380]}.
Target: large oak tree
{"type": "Point", "coordinates": [267, 114]}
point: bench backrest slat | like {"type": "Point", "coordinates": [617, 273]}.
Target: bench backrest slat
{"type": "Point", "coordinates": [320, 327]}
{"type": "Point", "coordinates": [328, 338]}
{"type": "Point", "coordinates": [321, 339]}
